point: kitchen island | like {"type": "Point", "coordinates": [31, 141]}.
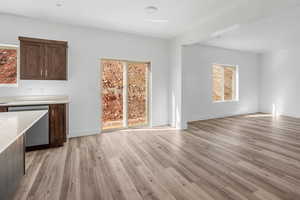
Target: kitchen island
{"type": "Point", "coordinates": [13, 127]}
{"type": "Point", "coordinates": [58, 126]}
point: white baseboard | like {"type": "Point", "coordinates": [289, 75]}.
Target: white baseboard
{"type": "Point", "coordinates": [221, 116]}
{"type": "Point", "coordinates": [74, 134]}
{"type": "Point", "coordinates": [83, 133]}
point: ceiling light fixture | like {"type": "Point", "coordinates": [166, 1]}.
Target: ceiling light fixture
{"type": "Point", "coordinates": [59, 3]}
{"type": "Point", "coordinates": [151, 9]}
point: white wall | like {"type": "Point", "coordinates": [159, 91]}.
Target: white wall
{"type": "Point", "coordinates": [86, 48]}
{"type": "Point", "coordinates": [280, 81]}
{"type": "Point", "coordinates": [175, 90]}
{"type": "Point", "coordinates": [197, 63]}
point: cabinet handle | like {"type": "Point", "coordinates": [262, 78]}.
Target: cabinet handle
{"type": "Point", "coordinates": [41, 72]}
{"type": "Point", "coordinates": [46, 72]}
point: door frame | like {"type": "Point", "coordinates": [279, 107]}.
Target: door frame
{"type": "Point", "coordinates": [125, 77]}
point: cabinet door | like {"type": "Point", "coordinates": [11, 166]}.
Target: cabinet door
{"type": "Point", "coordinates": [57, 121]}
{"type": "Point", "coordinates": [32, 61]}
{"type": "Point", "coordinates": [3, 109]}
{"type": "Point", "coordinates": [55, 62]}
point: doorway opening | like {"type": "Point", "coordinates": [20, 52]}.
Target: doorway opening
{"type": "Point", "coordinates": [125, 94]}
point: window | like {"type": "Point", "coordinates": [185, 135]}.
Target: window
{"type": "Point", "coordinates": [8, 65]}
{"type": "Point", "coordinates": [224, 83]}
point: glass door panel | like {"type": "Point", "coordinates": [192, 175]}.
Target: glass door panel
{"type": "Point", "coordinates": [137, 94]}
{"type": "Point", "coordinates": [217, 83]}
{"type": "Point", "coordinates": [112, 94]}
{"type": "Point", "coordinates": [229, 83]}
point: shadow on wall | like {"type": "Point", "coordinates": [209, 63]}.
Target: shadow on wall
{"type": "Point", "coordinates": [176, 117]}
{"type": "Point", "coordinates": [275, 111]}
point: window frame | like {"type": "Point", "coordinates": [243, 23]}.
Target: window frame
{"type": "Point", "coordinates": [125, 94]}
{"type": "Point", "coordinates": [236, 86]}
{"type": "Point", "coordinates": [10, 46]}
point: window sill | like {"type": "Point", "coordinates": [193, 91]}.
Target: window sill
{"type": "Point", "coordinates": [13, 85]}
{"type": "Point", "coordinates": [227, 101]}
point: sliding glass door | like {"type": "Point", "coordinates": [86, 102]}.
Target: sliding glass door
{"type": "Point", "coordinates": [137, 99]}
{"type": "Point", "coordinates": [112, 94]}
{"type": "Point", "coordinates": [125, 94]}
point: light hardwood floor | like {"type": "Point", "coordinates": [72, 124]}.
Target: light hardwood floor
{"type": "Point", "coordinates": [246, 157]}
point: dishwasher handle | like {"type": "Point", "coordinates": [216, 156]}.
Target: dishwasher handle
{"type": "Point", "coordinates": [27, 108]}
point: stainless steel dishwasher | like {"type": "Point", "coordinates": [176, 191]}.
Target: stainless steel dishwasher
{"type": "Point", "coordinates": [38, 134]}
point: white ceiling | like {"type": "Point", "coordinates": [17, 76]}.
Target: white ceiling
{"type": "Point", "coordinates": [129, 15]}
{"type": "Point", "coordinates": [274, 32]}
{"type": "Point", "coordinates": [121, 15]}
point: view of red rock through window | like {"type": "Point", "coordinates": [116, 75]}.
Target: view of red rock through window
{"type": "Point", "coordinates": [112, 94]}
{"type": "Point", "coordinates": [137, 94]}
{"type": "Point", "coordinates": [118, 112]}
{"type": "Point", "coordinates": [8, 66]}
{"type": "Point", "coordinates": [224, 83]}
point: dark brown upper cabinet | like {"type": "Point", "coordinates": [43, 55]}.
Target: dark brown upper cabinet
{"type": "Point", "coordinates": [4, 109]}
{"type": "Point", "coordinates": [43, 59]}
{"type": "Point", "coordinates": [32, 55]}
{"type": "Point", "coordinates": [55, 62]}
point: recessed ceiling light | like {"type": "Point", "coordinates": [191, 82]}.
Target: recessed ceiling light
{"type": "Point", "coordinates": [59, 3]}
{"type": "Point", "coordinates": [151, 9]}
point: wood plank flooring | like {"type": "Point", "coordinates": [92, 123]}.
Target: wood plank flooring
{"type": "Point", "coordinates": [253, 157]}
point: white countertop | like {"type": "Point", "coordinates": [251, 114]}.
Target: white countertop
{"type": "Point", "coordinates": [33, 100]}
{"type": "Point", "coordinates": [14, 124]}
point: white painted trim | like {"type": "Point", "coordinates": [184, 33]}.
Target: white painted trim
{"type": "Point", "coordinates": [237, 83]}
{"type": "Point", "coordinates": [74, 134]}
{"type": "Point", "coordinates": [226, 65]}
{"type": "Point", "coordinates": [226, 101]}
{"type": "Point", "coordinates": [125, 94]}
{"type": "Point", "coordinates": [207, 117]}
{"type": "Point", "coordinates": [223, 84]}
